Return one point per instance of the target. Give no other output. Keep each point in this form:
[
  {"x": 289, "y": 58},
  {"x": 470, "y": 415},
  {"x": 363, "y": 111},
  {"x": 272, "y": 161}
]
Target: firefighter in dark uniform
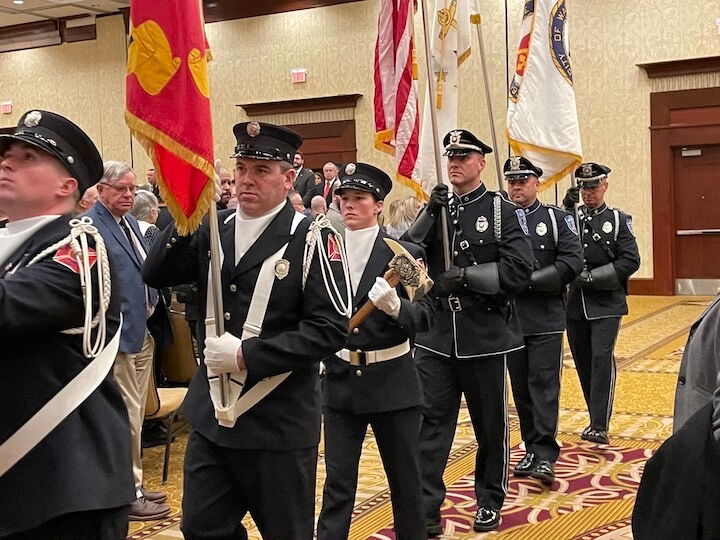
[
  {"x": 70, "y": 480},
  {"x": 378, "y": 386},
  {"x": 597, "y": 298},
  {"x": 535, "y": 371},
  {"x": 266, "y": 463},
  {"x": 465, "y": 352}
]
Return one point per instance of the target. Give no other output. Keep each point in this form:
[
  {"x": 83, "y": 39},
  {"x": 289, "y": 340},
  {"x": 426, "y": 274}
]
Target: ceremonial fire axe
[{"x": 403, "y": 268}]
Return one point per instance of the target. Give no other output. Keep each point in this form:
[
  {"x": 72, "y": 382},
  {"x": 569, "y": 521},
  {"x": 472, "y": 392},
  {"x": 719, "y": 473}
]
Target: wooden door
[
  {"x": 327, "y": 141},
  {"x": 696, "y": 190}
]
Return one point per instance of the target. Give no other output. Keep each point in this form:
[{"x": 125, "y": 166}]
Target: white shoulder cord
[
  {"x": 77, "y": 240},
  {"x": 343, "y": 305}
]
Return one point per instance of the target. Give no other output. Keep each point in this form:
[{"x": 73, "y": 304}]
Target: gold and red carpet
[{"x": 595, "y": 488}]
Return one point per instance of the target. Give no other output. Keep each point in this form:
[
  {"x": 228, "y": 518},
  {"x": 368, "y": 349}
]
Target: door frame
[{"x": 664, "y": 137}]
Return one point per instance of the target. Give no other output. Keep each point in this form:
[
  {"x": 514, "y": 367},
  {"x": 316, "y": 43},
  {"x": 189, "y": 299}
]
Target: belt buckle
[
  {"x": 357, "y": 358},
  {"x": 464, "y": 245},
  {"x": 596, "y": 237},
  {"x": 454, "y": 303}
]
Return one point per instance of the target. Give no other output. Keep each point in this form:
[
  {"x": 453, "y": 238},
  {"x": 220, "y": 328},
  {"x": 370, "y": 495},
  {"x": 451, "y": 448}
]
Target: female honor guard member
[
  {"x": 535, "y": 370},
  {"x": 266, "y": 462},
  {"x": 373, "y": 380},
  {"x": 465, "y": 352},
  {"x": 597, "y": 299}
]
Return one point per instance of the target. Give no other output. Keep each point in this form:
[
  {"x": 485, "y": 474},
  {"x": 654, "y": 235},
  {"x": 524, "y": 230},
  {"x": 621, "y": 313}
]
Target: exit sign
[
  {"x": 298, "y": 75},
  {"x": 6, "y": 107}
]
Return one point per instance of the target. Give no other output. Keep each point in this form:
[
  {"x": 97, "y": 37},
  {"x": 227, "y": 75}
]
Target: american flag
[{"x": 397, "y": 122}]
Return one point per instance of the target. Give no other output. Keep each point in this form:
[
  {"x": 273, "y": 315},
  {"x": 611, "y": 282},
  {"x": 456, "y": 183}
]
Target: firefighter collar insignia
[
  {"x": 282, "y": 269},
  {"x": 541, "y": 229},
  {"x": 607, "y": 227},
  {"x": 481, "y": 224},
  {"x": 253, "y": 129}
]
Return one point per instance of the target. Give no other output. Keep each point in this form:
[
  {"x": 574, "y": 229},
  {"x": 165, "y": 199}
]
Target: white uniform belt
[{"x": 363, "y": 358}]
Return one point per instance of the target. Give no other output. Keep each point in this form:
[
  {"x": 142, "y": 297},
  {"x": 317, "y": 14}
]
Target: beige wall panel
[{"x": 253, "y": 59}]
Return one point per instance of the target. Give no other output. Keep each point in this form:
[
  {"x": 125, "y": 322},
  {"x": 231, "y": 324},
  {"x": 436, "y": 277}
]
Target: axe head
[{"x": 412, "y": 274}]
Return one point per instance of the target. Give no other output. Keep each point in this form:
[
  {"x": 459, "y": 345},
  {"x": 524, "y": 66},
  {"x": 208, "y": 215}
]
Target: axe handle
[{"x": 364, "y": 312}]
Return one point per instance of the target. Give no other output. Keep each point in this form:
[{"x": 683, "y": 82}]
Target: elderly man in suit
[{"x": 133, "y": 365}]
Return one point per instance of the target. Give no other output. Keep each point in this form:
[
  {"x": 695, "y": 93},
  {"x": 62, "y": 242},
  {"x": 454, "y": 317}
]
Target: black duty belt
[{"x": 460, "y": 303}]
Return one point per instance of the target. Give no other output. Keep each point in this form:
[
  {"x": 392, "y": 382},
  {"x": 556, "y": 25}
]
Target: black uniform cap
[
  {"x": 258, "y": 140},
  {"x": 520, "y": 168},
  {"x": 461, "y": 142},
  {"x": 590, "y": 174},
  {"x": 365, "y": 177},
  {"x": 63, "y": 140}
]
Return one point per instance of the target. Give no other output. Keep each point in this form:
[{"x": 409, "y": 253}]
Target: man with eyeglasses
[{"x": 133, "y": 365}]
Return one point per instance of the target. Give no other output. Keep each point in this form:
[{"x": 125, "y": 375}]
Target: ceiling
[{"x": 43, "y": 10}]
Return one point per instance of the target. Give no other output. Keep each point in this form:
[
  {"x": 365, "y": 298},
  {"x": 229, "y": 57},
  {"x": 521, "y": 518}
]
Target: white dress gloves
[
  {"x": 385, "y": 297},
  {"x": 221, "y": 353}
]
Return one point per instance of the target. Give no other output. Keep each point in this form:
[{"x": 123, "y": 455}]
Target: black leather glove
[
  {"x": 584, "y": 280},
  {"x": 572, "y": 197},
  {"x": 438, "y": 199},
  {"x": 450, "y": 282}
]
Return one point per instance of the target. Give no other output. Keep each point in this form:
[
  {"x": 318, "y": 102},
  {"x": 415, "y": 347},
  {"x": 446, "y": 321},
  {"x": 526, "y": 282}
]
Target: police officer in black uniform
[
  {"x": 465, "y": 352},
  {"x": 373, "y": 380},
  {"x": 597, "y": 298},
  {"x": 535, "y": 370},
  {"x": 74, "y": 481},
  {"x": 266, "y": 463}
]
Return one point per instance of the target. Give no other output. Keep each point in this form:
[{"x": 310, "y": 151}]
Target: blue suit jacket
[{"x": 128, "y": 276}]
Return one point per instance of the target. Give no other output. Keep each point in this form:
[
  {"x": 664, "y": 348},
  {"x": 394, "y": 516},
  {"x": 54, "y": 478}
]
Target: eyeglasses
[{"x": 121, "y": 189}]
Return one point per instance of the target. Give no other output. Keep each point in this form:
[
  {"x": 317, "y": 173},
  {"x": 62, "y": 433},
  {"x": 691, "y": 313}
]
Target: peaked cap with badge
[
  {"x": 258, "y": 140},
  {"x": 590, "y": 174},
  {"x": 460, "y": 142},
  {"x": 63, "y": 140},
  {"x": 365, "y": 177},
  {"x": 520, "y": 168}
]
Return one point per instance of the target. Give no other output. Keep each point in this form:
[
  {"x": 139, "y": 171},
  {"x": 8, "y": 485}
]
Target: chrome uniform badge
[
  {"x": 33, "y": 119},
  {"x": 514, "y": 163},
  {"x": 522, "y": 220},
  {"x": 455, "y": 137},
  {"x": 253, "y": 129},
  {"x": 587, "y": 170},
  {"x": 541, "y": 229},
  {"x": 630, "y": 226},
  {"x": 282, "y": 268},
  {"x": 350, "y": 168},
  {"x": 607, "y": 227},
  {"x": 481, "y": 225},
  {"x": 570, "y": 222}
]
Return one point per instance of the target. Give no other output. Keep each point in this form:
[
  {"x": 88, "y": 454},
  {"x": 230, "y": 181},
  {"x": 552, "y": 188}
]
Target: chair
[
  {"x": 164, "y": 404},
  {"x": 178, "y": 361}
]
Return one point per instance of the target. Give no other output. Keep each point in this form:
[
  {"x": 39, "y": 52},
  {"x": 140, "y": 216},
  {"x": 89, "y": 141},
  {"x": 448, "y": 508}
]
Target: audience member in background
[
  {"x": 402, "y": 214},
  {"x": 304, "y": 182},
  {"x": 330, "y": 182},
  {"x": 318, "y": 206},
  {"x": 226, "y": 183},
  {"x": 297, "y": 202},
  {"x": 146, "y": 210},
  {"x": 334, "y": 215},
  {"x": 87, "y": 201},
  {"x": 133, "y": 364}
]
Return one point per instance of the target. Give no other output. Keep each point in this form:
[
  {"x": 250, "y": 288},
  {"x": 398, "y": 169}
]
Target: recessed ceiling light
[{"x": 18, "y": 2}]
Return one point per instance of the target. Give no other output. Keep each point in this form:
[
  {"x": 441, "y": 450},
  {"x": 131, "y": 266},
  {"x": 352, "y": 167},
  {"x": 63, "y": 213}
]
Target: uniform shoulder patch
[
  {"x": 522, "y": 220},
  {"x": 334, "y": 253},
  {"x": 65, "y": 257},
  {"x": 629, "y": 224},
  {"x": 570, "y": 222}
]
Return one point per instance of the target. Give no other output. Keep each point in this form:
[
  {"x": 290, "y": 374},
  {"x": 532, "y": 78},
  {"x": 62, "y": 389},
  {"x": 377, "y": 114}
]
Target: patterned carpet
[{"x": 596, "y": 485}]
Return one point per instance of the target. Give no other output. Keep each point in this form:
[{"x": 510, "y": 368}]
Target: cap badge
[
  {"x": 253, "y": 129},
  {"x": 587, "y": 169},
  {"x": 515, "y": 163},
  {"x": 481, "y": 224},
  {"x": 350, "y": 168},
  {"x": 455, "y": 137},
  {"x": 541, "y": 229},
  {"x": 282, "y": 268},
  {"x": 32, "y": 119}
]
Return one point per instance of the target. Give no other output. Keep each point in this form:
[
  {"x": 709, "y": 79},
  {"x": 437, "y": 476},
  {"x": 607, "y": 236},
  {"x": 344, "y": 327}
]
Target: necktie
[
  {"x": 128, "y": 235},
  {"x": 151, "y": 295}
]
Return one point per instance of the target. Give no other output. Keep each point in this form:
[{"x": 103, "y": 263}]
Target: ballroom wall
[{"x": 253, "y": 59}]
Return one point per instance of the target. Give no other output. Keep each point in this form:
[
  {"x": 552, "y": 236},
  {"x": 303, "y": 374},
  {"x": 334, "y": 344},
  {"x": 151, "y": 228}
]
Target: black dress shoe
[
  {"x": 544, "y": 471},
  {"x": 486, "y": 519},
  {"x": 434, "y": 529},
  {"x": 598, "y": 436},
  {"x": 525, "y": 465},
  {"x": 585, "y": 432}
]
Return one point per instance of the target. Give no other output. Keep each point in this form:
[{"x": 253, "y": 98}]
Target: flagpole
[
  {"x": 434, "y": 124},
  {"x": 217, "y": 289},
  {"x": 476, "y": 19}
]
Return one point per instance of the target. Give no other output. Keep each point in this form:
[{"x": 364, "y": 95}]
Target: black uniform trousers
[
  {"x": 109, "y": 524},
  {"x": 592, "y": 343},
  {"x": 535, "y": 373},
  {"x": 276, "y": 487},
  {"x": 483, "y": 381},
  {"x": 397, "y": 434}
]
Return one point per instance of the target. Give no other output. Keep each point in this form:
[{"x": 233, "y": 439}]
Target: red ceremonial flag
[
  {"x": 397, "y": 122},
  {"x": 168, "y": 103}
]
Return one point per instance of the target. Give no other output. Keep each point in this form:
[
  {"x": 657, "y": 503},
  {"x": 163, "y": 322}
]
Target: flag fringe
[
  {"x": 517, "y": 147},
  {"x": 412, "y": 184},
  {"x": 148, "y": 136}
]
